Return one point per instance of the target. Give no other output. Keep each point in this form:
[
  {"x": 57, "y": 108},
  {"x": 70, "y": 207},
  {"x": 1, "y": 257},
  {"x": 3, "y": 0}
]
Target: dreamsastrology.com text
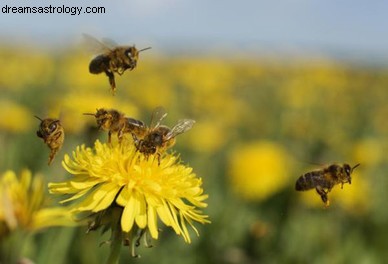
[{"x": 71, "y": 10}]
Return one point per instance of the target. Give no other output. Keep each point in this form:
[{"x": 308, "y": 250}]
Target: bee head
[
  {"x": 39, "y": 134},
  {"x": 349, "y": 170},
  {"x": 103, "y": 118},
  {"x": 47, "y": 126},
  {"x": 52, "y": 126},
  {"x": 132, "y": 53}
]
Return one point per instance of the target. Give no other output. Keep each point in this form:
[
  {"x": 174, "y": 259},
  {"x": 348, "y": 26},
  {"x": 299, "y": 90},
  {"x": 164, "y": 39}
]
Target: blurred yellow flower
[
  {"x": 110, "y": 177},
  {"x": 149, "y": 89},
  {"x": 259, "y": 169},
  {"x": 20, "y": 75},
  {"x": 17, "y": 118},
  {"x": 208, "y": 134},
  {"x": 369, "y": 152},
  {"x": 75, "y": 74},
  {"x": 204, "y": 74},
  {"x": 23, "y": 204}
]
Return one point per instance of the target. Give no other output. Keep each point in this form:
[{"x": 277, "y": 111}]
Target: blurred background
[{"x": 277, "y": 89}]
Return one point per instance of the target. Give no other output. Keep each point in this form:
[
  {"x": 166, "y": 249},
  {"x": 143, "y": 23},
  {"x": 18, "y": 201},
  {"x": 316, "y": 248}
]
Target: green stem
[
  {"x": 11, "y": 246},
  {"x": 115, "y": 247}
]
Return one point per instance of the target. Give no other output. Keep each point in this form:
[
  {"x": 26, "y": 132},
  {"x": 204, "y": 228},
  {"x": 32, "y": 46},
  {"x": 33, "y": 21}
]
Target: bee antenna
[
  {"x": 355, "y": 166},
  {"x": 89, "y": 114},
  {"x": 144, "y": 49},
  {"x": 37, "y": 117}
]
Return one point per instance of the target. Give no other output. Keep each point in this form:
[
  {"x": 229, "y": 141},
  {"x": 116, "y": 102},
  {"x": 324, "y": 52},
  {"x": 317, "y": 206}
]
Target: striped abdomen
[{"x": 311, "y": 180}]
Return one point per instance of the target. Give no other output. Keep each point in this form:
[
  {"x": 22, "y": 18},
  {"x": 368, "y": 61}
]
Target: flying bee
[
  {"x": 114, "y": 121},
  {"x": 157, "y": 138},
  {"x": 52, "y": 133},
  {"x": 323, "y": 180},
  {"x": 114, "y": 59}
]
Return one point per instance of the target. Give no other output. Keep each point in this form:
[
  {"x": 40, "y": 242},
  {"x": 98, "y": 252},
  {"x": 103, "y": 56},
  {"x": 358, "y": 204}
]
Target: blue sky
[{"x": 349, "y": 26}]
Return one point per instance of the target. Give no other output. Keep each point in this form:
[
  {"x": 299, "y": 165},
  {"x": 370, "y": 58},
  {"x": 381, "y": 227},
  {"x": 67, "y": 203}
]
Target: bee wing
[
  {"x": 158, "y": 115},
  {"x": 109, "y": 43},
  {"x": 181, "y": 127},
  {"x": 95, "y": 45},
  {"x": 135, "y": 122}
]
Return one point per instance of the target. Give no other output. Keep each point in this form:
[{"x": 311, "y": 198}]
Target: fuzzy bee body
[
  {"x": 116, "y": 59},
  {"x": 325, "y": 179},
  {"x": 53, "y": 135},
  {"x": 157, "y": 138},
  {"x": 312, "y": 179},
  {"x": 114, "y": 121},
  {"x": 99, "y": 64},
  {"x": 154, "y": 141}
]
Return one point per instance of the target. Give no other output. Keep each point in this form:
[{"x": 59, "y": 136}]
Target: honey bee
[
  {"x": 323, "y": 180},
  {"x": 114, "y": 59},
  {"x": 157, "y": 138},
  {"x": 114, "y": 121},
  {"x": 52, "y": 133}
]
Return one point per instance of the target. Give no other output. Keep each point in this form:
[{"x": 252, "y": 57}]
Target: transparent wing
[
  {"x": 135, "y": 122},
  {"x": 158, "y": 115},
  {"x": 109, "y": 43},
  {"x": 96, "y": 46},
  {"x": 181, "y": 127}
]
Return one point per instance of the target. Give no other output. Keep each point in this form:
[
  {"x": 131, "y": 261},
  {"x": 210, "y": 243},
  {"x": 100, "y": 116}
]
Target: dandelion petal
[{"x": 129, "y": 213}]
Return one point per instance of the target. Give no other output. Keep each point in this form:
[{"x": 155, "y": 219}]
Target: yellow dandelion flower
[
  {"x": 259, "y": 169},
  {"x": 22, "y": 204},
  {"x": 115, "y": 180}
]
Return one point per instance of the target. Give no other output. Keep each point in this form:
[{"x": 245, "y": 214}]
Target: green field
[{"x": 261, "y": 122}]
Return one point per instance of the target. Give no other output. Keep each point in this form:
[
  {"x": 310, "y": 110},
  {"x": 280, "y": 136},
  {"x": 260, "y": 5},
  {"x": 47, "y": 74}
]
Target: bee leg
[
  {"x": 109, "y": 136},
  {"x": 120, "y": 135},
  {"x": 121, "y": 71},
  {"x": 52, "y": 155},
  {"x": 323, "y": 194},
  {"x": 136, "y": 141},
  {"x": 112, "y": 81},
  {"x": 158, "y": 154}
]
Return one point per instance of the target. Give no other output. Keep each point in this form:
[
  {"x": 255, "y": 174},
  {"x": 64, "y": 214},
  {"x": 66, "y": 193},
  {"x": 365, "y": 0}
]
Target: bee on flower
[
  {"x": 121, "y": 189},
  {"x": 157, "y": 138}
]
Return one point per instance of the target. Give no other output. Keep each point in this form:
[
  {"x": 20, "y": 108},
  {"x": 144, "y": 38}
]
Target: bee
[
  {"x": 114, "y": 59},
  {"x": 323, "y": 180},
  {"x": 52, "y": 133},
  {"x": 157, "y": 138},
  {"x": 114, "y": 121}
]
